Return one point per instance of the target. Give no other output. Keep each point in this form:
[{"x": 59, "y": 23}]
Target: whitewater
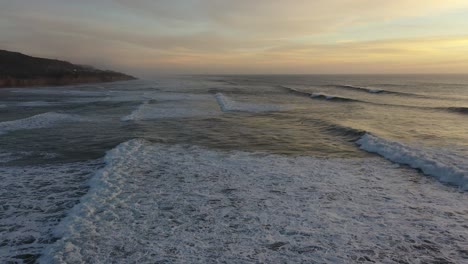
[{"x": 236, "y": 169}]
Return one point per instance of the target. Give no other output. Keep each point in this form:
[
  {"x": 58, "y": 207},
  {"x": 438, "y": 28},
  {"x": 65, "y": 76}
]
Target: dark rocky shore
[{"x": 19, "y": 70}]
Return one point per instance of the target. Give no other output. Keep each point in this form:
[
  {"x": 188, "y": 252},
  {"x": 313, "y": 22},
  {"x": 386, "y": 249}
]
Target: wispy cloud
[{"x": 202, "y": 36}]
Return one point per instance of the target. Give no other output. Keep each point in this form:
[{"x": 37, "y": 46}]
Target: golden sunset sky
[{"x": 257, "y": 37}]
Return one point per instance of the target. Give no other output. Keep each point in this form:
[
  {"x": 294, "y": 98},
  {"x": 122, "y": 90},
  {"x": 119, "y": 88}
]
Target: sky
[{"x": 148, "y": 38}]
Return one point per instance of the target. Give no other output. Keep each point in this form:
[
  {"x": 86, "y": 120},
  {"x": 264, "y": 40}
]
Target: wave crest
[
  {"x": 228, "y": 105},
  {"x": 332, "y": 98},
  {"x": 460, "y": 110},
  {"x": 44, "y": 120},
  {"x": 446, "y": 167},
  {"x": 374, "y": 90}
]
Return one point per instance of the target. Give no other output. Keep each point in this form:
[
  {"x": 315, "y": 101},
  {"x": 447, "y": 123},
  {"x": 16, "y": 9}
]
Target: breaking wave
[
  {"x": 445, "y": 166},
  {"x": 172, "y": 203},
  {"x": 37, "y": 104},
  {"x": 294, "y": 91},
  {"x": 351, "y": 134},
  {"x": 460, "y": 110},
  {"x": 228, "y": 105},
  {"x": 225, "y": 82},
  {"x": 148, "y": 111},
  {"x": 320, "y": 96},
  {"x": 58, "y": 91},
  {"x": 374, "y": 90},
  {"x": 44, "y": 120},
  {"x": 334, "y": 98},
  {"x": 354, "y": 88},
  {"x": 33, "y": 200}
]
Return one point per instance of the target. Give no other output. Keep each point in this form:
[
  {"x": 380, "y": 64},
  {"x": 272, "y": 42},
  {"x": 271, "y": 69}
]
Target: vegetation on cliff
[{"x": 18, "y": 70}]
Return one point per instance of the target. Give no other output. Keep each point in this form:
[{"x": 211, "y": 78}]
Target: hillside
[{"x": 19, "y": 70}]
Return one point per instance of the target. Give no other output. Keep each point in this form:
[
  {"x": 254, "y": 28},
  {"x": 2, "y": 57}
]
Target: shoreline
[{"x": 47, "y": 81}]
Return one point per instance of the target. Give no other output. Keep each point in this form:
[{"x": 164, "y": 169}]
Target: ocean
[{"x": 237, "y": 169}]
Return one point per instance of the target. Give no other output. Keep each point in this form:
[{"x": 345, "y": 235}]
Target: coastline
[
  {"x": 20, "y": 70},
  {"x": 10, "y": 82}
]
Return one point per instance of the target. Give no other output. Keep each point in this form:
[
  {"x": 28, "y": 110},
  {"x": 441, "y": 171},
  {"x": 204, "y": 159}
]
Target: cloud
[
  {"x": 284, "y": 19},
  {"x": 202, "y": 36}
]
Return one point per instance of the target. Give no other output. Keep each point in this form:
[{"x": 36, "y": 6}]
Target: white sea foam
[
  {"x": 8, "y": 156},
  {"x": 445, "y": 166},
  {"x": 86, "y": 100},
  {"x": 185, "y": 204},
  {"x": 33, "y": 199},
  {"x": 158, "y": 96},
  {"x": 228, "y": 105},
  {"x": 58, "y": 91},
  {"x": 44, "y": 120},
  {"x": 147, "y": 111},
  {"x": 11, "y": 156},
  {"x": 362, "y": 88},
  {"x": 166, "y": 96},
  {"x": 37, "y": 104},
  {"x": 135, "y": 96}
]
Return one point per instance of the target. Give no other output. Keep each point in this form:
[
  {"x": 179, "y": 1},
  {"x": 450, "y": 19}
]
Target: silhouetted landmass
[{"x": 19, "y": 70}]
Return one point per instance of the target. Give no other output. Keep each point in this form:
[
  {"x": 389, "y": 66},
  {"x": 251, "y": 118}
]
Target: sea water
[{"x": 236, "y": 169}]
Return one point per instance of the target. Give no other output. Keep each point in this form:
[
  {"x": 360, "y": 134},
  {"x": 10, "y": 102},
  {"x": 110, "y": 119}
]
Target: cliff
[{"x": 19, "y": 70}]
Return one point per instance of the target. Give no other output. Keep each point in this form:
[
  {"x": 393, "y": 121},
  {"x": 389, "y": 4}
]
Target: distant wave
[
  {"x": 350, "y": 134},
  {"x": 136, "y": 114},
  {"x": 446, "y": 167},
  {"x": 44, "y": 120},
  {"x": 228, "y": 105},
  {"x": 148, "y": 111},
  {"x": 37, "y": 104},
  {"x": 57, "y": 91},
  {"x": 322, "y": 96},
  {"x": 362, "y": 89},
  {"x": 234, "y": 90},
  {"x": 334, "y": 98},
  {"x": 226, "y": 82},
  {"x": 318, "y": 95},
  {"x": 18, "y": 155},
  {"x": 374, "y": 90},
  {"x": 294, "y": 91},
  {"x": 455, "y": 110},
  {"x": 460, "y": 110}
]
